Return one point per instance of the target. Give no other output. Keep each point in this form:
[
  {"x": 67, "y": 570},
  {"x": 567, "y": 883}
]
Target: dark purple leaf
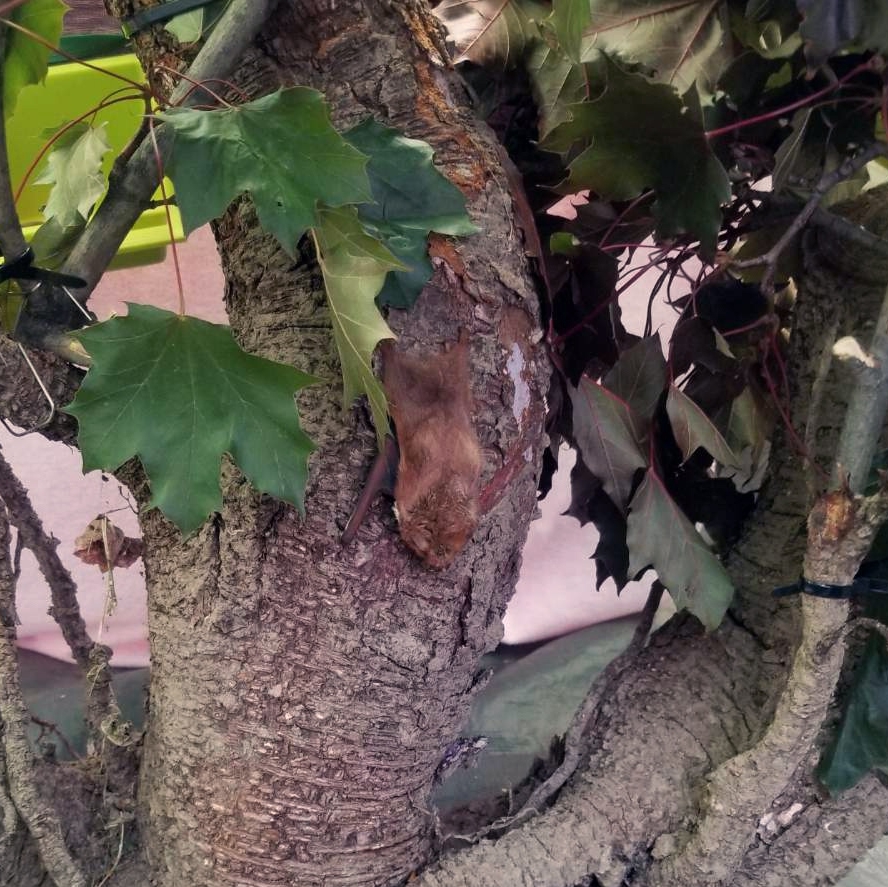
[
  {"x": 693, "y": 429},
  {"x": 659, "y": 535},
  {"x": 603, "y": 428}
]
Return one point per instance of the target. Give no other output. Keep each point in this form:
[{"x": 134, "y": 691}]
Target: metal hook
[{"x": 46, "y": 394}]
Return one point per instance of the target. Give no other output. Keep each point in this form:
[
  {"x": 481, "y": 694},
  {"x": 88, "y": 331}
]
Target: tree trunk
[
  {"x": 302, "y": 692},
  {"x": 699, "y": 717}
]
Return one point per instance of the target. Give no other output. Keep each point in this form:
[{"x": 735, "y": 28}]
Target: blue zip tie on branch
[{"x": 861, "y": 585}]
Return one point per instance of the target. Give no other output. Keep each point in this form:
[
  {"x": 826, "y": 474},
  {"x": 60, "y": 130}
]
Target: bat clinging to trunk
[{"x": 436, "y": 491}]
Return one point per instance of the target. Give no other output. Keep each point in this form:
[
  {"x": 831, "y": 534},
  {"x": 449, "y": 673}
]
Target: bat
[{"x": 439, "y": 457}]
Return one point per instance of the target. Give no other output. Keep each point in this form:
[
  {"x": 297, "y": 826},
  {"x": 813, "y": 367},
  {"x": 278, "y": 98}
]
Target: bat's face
[{"x": 435, "y": 534}]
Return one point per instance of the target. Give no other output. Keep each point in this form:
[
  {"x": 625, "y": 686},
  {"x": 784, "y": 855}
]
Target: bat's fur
[{"x": 436, "y": 493}]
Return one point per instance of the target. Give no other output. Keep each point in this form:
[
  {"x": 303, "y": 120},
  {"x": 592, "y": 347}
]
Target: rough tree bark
[
  {"x": 302, "y": 693},
  {"x": 701, "y": 717}
]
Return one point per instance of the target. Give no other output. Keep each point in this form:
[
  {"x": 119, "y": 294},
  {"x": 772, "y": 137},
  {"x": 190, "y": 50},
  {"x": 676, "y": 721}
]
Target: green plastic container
[{"x": 70, "y": 90}]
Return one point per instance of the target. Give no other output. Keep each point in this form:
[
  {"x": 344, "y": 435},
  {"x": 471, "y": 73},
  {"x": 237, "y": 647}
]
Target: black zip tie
[
  {"x": 160, "y": 13},
  {"x": 861, "y": 585},
  {"x": 23, "y": 268}
]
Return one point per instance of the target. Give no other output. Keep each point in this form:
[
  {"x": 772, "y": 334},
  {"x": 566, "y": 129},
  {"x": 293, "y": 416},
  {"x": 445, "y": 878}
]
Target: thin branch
[
  {"x": 92, "y": 658},
  {"x": 39, "y": 816},
  {"x": 844, "y": 171},
  {"x": 781, "y": 208},
  {"x": 12, "y": 239},
  {"x": 865, "y": 418},
  {"x": 51, "y": 729},
  {"x": 129, "y": 193},
  {"x": 574, "y": 746},
  {"x": 841, "y": 527}
]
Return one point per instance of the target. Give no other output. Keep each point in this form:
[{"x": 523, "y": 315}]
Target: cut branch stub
[{"x": 841, "y": 529}]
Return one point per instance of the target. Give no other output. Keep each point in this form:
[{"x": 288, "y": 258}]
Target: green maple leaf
[
  {"x": 557, "y": 82},
  {"x": 25, "y": 61},
  {"x": 638, "y": 379},
  {"x": 282, "y": 150},
  {"x": 354, "y": 265},
  {"x": 187, "y": 27},
  {"x": 635, "y": 134},
  {"x": 74, "y": 169},
  {"x": 862, "y": 740},
  {"x": 179, "y": 393},
  {"x": 569, "y": 20},
  {"x": 683, "y": 42},
  {"x": 411, "y": 198},
  {"x": 659, "y": 535}
]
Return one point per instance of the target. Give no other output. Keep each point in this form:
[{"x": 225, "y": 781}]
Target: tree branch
[
  {"x": 574, "y": 746},
  {"x": 844, "y": 171},
  {"x": 865, "y": 419},
  {"x": 841, "y": 527},
  {"x": 130, "y": 192},
  {"x": 12, "y": 240},
  {"x": 40, "y": 818},
  {"x": 92, "y": 658}
]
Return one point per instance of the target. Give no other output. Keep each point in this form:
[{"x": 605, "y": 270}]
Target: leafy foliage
[
  {"x": 281, "y": 149},
  {"x": 605, "y": 434},
  {"x": 354, "y": 266},
  {"x": 301, "y": 174},
  {"x": 862, "y": 740},
  {"x": 491, "y": 31},
  {"x": 684, "y": 44},
  {"x": 74, "y": 169},
  {"x": 411, "y": 198},
  {"x": 179, "y": 393},
  {"x": 568, "y": 21},
  {"x": 639, "y": 377},
  {"x": 693, "y": 429},
  {"x": 25, "y": 60},
  {"x": 612, "y": 425},
  {"x": 618, "y": 160},
  {"x": 659, "y": 534}
]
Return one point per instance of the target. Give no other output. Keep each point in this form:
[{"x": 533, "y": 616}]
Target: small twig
[
  {"x": 574, "y": 747},
  {"x": 128, "y": 195},
  {"x": 845, "y": 170},
  {"x": 91, "y": 657},
  {"x": 39, "y": 816},
  {"x": 117, "y": 859},
  {"x": 53, "y": 730}
]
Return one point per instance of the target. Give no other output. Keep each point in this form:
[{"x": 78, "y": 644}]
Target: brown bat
[{"x": 436, "y": 491}]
